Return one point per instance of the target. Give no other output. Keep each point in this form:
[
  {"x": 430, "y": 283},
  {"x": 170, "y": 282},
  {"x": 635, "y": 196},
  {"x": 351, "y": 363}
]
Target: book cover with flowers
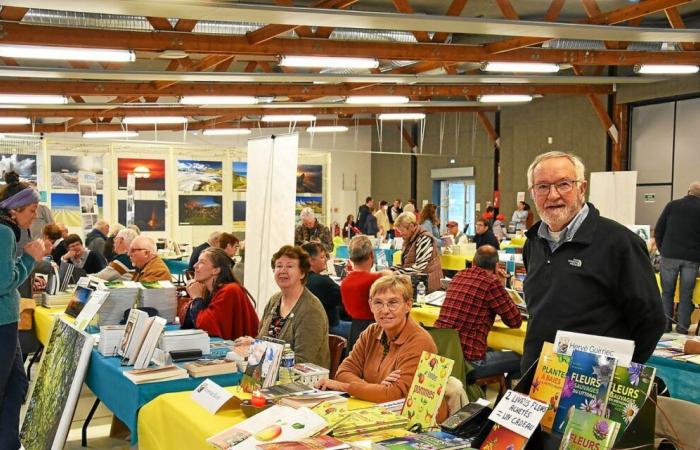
[
  {"x": 427, "y": 390},
  {"x": 586, "y": 386},
  {"x": 549, "y": 381},
  {"x": 586, "y": 431},
  {"x": 501, "y": 438},
  {"x": 630, "y": 389}
]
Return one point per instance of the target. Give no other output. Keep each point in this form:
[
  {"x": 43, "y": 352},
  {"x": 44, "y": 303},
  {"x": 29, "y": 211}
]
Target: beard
[{"x": 559, "y": 218}]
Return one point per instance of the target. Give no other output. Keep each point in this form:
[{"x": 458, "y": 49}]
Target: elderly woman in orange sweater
[{"x": 382, "y": 363}]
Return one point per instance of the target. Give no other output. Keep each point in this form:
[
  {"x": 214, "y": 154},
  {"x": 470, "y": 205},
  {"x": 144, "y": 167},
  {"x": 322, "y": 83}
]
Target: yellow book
[
  {"x": 549, "y": 381},
  {"x": 427, "y": 390}
]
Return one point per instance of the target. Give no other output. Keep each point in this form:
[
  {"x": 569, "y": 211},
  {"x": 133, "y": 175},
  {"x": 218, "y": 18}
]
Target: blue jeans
[
  {"x": 13, "y": 386},
  {"x": 342, "y": 329},
  {"x": 496, "y": 363},
  {"x": 669, "y": 270}
]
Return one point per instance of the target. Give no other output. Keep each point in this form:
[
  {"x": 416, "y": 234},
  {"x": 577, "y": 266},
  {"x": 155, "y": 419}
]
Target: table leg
[
  {"x": 35, "y": 357},
  {"x": 83, "y": 440}
]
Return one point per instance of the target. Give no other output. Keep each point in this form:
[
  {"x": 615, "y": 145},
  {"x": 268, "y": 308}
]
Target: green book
[
  {"x": 630, "y": 389},
  {"x": 586, "y": 431}
]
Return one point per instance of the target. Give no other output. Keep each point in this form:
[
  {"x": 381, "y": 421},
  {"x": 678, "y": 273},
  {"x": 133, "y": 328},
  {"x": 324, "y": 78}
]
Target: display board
[{"x": 614, "y": 194}]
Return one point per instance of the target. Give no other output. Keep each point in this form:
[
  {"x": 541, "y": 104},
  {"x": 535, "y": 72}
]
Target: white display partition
[
  {"x": 614, "y": 194},
  {"x": 272, "y": 170}
]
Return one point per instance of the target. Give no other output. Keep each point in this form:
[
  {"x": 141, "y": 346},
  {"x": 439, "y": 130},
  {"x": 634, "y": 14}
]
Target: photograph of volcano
[
  {"x": 64, "y": 170},
  {"x": 200, "y": 210},
  {"x": 150, "y": 173},
  {"x": 149, "y": 215},
  {"x": 309, "y": 179}
]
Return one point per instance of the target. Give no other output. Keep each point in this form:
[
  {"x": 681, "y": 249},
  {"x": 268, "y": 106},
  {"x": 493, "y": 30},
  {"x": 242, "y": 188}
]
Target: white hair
[
  {"x": 307, "y": 213},
  {"x": 694, "y": 188},
  {"x": 213, "y": 236},
  {"x": 405, "y": 218},
  {"x": 147, "y": 243},
  {"x": 575, "y": 160},
  {"x": 128, "y": 235}
]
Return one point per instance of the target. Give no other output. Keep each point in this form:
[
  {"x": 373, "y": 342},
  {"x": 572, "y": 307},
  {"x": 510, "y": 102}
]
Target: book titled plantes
[
  {"x": 630, "y": 389},
  {"x": 549, "y": 381},
  {"x": 501, "y": 438},
  {"x": 588, "y": 431},
  {"x": 586, "y": 386},
  {"x": 427, "y": 389}
]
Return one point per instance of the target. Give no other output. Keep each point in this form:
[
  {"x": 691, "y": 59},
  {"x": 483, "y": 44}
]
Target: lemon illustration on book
[{"x": 269, "y": 433}]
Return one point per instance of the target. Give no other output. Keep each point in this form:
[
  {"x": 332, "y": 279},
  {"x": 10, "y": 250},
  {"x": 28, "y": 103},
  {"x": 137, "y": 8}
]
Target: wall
[{"x": 679, "y": 86}]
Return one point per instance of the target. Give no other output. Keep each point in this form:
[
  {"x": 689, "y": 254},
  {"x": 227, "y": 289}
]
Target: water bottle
[
  {"x": 286, "y": 365},
  {"x": 420, "y": 290}
]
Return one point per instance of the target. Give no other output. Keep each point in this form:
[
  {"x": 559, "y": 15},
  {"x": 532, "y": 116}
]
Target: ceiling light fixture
[
  {"x": 150, "y": 120},
  {"x": 665, "y": 69},
  {"x": 328, "y": 129},
  {"x": 377, "y": 99},
  {"x": 15, "y": 121},
  {"x": 496, "y": 98},
  {"x": 21, "y": 99},
  {"x": 289, "y": 118},
  {"x": 218, "y": 100},
  {"x": 401, "y": 116},
  {"x": 226, "y": 132},
  {"x": 329, "y": 62},
  {"x": 109, "y": 134},
  {"x": 66, "y": 53},
  {"x": 519, "y": 67}
]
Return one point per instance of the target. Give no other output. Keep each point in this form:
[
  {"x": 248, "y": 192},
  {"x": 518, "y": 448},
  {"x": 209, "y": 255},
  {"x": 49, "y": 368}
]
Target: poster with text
[
  {"x": 200, "y": 210},
  {"x": 309, "y": 179},
  {"x": 64, "y": 170},
  {"x": 149, "y": 173},
  {"x": 193, "y": 175},
  {"x": 149, "y": 215}
]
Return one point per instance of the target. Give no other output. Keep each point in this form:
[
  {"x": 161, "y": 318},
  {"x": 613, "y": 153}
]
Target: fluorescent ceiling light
[
  {"x": 658, "y": 69},
  {"x": 109, "y": 134},
  {"x": 147, "y": 120},
  {"x": 505, "y": 98},
  {"x": 226, "y": 131},
  {"x": 327, "y": 129},
  {"x": 20, "y": 99},
  {"x": 329, "y": 62},
  {"x": 401, "y": 116},
  {"x": 66, "y": 53},
  {"x": 289, "y": 118},
  {"x": 520, "y": 67},
  {"x": 15, "y": 121},
  {"x": 377, "y": 99},
  {"x": 218, "y": 100}
]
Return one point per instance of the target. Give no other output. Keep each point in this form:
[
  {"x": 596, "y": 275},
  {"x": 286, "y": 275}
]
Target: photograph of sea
[
  {"x": 24, "y": 165},
  {"x": 64, "y": 170},
  {"x": 150, "y": 173},
  {"x": 195, "y": 175}
]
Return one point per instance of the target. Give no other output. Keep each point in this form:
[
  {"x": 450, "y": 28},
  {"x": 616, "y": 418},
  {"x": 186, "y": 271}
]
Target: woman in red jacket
[{"x": 220, "y": 305}]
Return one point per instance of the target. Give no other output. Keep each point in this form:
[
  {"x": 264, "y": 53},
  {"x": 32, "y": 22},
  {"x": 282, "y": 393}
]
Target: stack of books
[
  {"x": 167, "y": 373},
  {"x": 110, "y": 337},
  {"x": 160, "y": 295},
  {"x": 177, "y": 340},
  {"x": 348, "y": 424},
  {"x": 210, "y": 367},
  {"x": 141, "y": 334},
  {"x": 122, "y": 296},
  {"x": 51, "y": 301}
]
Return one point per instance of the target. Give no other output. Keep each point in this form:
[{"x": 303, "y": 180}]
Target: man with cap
[{"x": 453, "y": 230}]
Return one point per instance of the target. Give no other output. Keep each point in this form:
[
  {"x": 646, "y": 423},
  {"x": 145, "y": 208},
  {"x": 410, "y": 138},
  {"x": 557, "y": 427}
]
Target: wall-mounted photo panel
[
  {"x": 309, "y": 179},
  {"x": 64, "y": 170},
  {"x": 66, "y": 209},
  {"x": 24, "y": 165},
  {"x": 149, "y": 173},
  {"x": 239, "y": 215},
  {"x": 315, "y": 202},
  {"x": 149, "y": 215},
  {"x": 200, "y": 210},
  {"x": 193, "y": 175},
  {"x": 240, "y": 175}
]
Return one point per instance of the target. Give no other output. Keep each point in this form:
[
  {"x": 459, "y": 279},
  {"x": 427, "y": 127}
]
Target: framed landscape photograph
[
  {"x": 24, "y": 165},
  {"x": 194, "y": 175},
  {"x": 200, "y": 210},
  {"x": 309, "y": 179},
  {"x": 149, "y": 173},
  {"x": 240, "y": 175},
  {"x": 239, "y": 215},
  {"x": 315, "y": 202},
  {"x": 64, "y": 170},
  {"x": 149, "y": 215}
]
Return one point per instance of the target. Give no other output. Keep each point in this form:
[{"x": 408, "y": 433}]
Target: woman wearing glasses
[{"x": 381, "y": 365}]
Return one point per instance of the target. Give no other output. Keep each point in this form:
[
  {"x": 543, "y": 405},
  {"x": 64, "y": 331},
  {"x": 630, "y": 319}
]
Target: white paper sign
[
  {"x": 211, "y": 396},
  {"x": 519, "y": 413},
  {"x": 566, "y": 342},
  {"x": 520, "y": 197}
]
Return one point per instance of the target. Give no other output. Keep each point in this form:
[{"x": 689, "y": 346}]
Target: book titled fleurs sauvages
[
  {"x": 586, "y": 386},
  {"x": 549, "y": 381},
  {"x": 427, "y": 389},
  {"x": 630, "y": 389},
  {"x": 586, "y": 431}
]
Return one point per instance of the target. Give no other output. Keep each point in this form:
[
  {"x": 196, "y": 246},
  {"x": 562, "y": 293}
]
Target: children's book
[
  {"x": 630, "y": 389},
  {"x": 549, "y": 381},
  {"x": 344, "y": 423},
  {"x": 586, "y": 386},
  {"x": 501, "y": 438},
  {"x": 427, "y": 390},
  {"x": 585, "y": 431},
  {"x": 437, "y": 440}
]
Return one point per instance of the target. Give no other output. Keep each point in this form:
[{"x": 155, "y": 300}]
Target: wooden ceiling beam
[
  {"x": 13, "y": 13},
  {"x": 515, "y": 43},
  {"x": 507, "y": 10},
  {"x": 185, "y": 25},
  {"x": 160, "y": 23},
  {"x": 676, "y": 22},
  {"x": 455, "y": 9},
  {"x": 404, "y": 7},
  {"x": 600, "y": 111}
]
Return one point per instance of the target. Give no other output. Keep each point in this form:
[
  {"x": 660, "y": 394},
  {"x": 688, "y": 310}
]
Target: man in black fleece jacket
[
  {"x": 585, "y": 273},
  {"x": 678, "y": 239}
]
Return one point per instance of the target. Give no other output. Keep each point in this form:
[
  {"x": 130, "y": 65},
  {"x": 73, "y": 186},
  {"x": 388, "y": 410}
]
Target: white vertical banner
[
  {"x": 615, "y": 195},
  {"x": 270, "y": 203}
]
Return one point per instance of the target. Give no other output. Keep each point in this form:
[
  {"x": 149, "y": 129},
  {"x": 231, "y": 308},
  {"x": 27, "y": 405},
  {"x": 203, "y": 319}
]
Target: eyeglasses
[
  {"x": 131, "y": 250},
  {"x": 379, "y": 306},
  {"x": 563, "y": 187}
]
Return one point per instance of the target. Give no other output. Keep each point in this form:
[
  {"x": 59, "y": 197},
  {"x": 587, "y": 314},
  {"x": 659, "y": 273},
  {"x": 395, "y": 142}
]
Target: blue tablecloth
[
  {"x": 341, "y": 251},
  {"x": 681, "y": 378},
  {"x": 176, "y": 266},
  {"x": 124, "y": 398}
]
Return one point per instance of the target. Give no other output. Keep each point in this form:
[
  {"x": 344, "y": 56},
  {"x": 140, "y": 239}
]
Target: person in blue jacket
[{"x": 18, "y": 205}]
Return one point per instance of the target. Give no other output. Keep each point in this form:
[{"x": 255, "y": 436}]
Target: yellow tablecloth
[
  {"x": 174, "y": 421},
  {"x": 696, "y": 291},
  {"x": 448, "y": 262},
  {"x": 43, "y": 321},
  {"x": 500, "y": 338}
]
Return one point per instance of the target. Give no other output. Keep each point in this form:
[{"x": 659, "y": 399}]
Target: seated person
[
  {"x": 149, "y": 266},
  {"x": 355, "y": 287},
  {"x": 59, "y": 243},
  {"x": 229, "y": 244},
  {"x": 311, "y": 230},
  {"x": 484, "y": 236},
  {"x": 220, "y": 305},
  {"x": 473, "y": 299},
  {"x": 82, "y": 257},
  {"x": 213, "y": 241},
  {"x": 381, "y": 366},
  {"x": 120, "y": 267},
  {"x": 325, "y": 289}
]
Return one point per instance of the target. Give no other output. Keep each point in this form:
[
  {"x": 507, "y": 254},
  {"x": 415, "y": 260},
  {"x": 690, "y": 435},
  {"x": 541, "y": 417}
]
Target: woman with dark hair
[
  {"x": 219, "y": 305},
  {"x": 18, "y": 205},
  {"x": 350, "y": 228}
]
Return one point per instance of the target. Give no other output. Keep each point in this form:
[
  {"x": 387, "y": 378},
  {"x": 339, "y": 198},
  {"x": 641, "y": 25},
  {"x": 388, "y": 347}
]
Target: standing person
[
  {"x": 484, "y": 236},
  {"x": 520, "y": 217},
  {"x": 362, "y": 214},
  {"x": 311, "y": 230},
  {"x": 499, "y": 228},
  {"x": 419, "y": 255},
  {"x": 585, "y": 273},
  {"x": 383, "y": 219},
  {"x": 429, "y": 222},
  {"x": 43, "y": 217},
  {"x": 18, "y": 204},
  {"x": 678, "y": 238},
  {"x": 393, "y": 213},
  {"x": 371, "y": 226},
  {"x": 213, "y": 241}
]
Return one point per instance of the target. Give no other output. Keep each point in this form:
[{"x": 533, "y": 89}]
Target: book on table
[
  {"x": 145, "y": 353},
  {"x": 263, "y": 364},
  {"x": 320, "y": 442},
  {"x": 210, "y": 367},
  {"x": 345, "y": 424},
  {"x": 586, "y": 431},
  {"x": 427, "y": 390},
  {"x": 549, "y": 381},
  {"x": 501, "y": 438},
  {"x": 167, "y": 373},
  {"x": 135, "y": 330},
  {"x": 284, "y": 390},
  {"x": 630, "y": 389},
  {"x": 435, "y": 440}
]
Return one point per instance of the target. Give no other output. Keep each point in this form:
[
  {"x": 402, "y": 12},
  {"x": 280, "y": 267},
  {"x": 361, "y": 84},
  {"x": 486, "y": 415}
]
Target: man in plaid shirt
[{"x": 473, "y": 299}]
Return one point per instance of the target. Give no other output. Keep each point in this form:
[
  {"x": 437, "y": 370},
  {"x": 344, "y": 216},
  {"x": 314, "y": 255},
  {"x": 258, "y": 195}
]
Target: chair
[
  {"x": 337, "y": 345},
  {"x": 493, "y": 379}
]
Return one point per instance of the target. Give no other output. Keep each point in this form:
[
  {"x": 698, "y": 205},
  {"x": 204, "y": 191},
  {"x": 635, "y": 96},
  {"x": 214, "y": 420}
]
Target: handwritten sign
[{"x": 519, "y": 413}]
